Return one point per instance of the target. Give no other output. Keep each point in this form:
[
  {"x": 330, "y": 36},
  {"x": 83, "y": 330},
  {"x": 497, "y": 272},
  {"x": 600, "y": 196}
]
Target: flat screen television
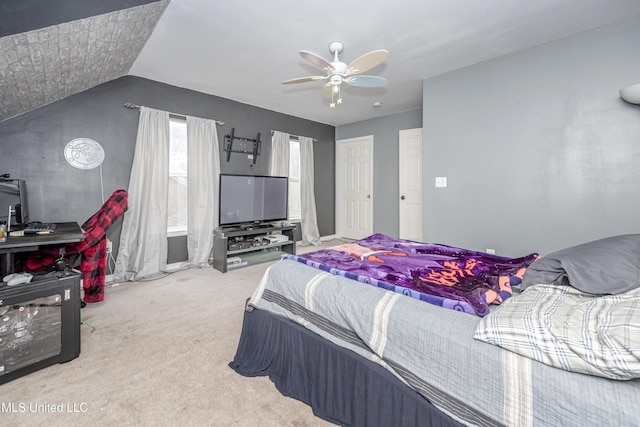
[
  {"x": 14, "y": 206},
  {"x": 247, "y": 199}
]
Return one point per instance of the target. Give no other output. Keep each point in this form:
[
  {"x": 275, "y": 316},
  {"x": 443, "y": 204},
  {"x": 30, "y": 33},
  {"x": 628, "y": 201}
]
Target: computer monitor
[{"x": 14, "y": 206}]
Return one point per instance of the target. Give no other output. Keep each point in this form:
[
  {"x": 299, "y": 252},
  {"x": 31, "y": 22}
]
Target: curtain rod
[
  {"x": 130, "y": 105},
  {"x": 292, "y": 136}
]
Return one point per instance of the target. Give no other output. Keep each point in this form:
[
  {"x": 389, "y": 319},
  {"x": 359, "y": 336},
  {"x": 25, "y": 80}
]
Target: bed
[{"x": 558, "y": 343}]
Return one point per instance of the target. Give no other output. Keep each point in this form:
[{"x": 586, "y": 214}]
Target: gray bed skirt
[{"x": 340, "y": 386}]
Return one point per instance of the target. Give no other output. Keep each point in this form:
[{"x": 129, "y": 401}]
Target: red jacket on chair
[
  {"x": 93, "y": 262},
  {"x": 92, "y": 250}
]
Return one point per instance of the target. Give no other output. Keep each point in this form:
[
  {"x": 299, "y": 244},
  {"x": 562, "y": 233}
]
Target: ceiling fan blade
[
  {"x": 367, "y": 62},
  {"x": 316, "y": 60},
  {"x": 366, "y": 81},
  {"x": 304, "y": 79}
]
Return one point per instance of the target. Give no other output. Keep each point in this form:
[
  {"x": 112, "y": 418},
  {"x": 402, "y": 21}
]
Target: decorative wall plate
[{"x": 84, "y": 153}]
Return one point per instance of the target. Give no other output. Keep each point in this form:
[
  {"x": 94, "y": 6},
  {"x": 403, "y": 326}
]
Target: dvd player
[{"x": 276, "y": 238}]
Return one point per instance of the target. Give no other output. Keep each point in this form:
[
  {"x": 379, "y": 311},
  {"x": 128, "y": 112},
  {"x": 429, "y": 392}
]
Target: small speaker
[{"x": 18, "y": 210}]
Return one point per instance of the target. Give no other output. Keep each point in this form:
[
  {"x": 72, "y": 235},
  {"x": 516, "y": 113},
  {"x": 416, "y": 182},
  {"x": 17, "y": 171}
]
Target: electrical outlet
[
  {"x": 491, "y": 251},
  {"x": 109, "y": 246}
]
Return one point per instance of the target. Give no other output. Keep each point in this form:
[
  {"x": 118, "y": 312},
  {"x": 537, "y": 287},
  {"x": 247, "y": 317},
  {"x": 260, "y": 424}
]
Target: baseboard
[{"x": 322, "y": 239}]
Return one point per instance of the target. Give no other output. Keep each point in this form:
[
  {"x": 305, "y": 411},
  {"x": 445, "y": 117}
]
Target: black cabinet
[
  {"x": 235, "y": 247},
  {"x": 39, "y": 324}
]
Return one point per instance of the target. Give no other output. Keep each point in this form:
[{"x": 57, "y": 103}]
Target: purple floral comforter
[{"x": 455, "y": 278}]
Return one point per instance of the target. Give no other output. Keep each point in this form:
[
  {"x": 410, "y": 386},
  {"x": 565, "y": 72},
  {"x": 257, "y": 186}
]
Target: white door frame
[{"x": 340, "y": 146}]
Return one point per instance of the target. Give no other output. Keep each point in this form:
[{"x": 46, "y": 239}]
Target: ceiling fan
[{"x": 338, "y": 72}]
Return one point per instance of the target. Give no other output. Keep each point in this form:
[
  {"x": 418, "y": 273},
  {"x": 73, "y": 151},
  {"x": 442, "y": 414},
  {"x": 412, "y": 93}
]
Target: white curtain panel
[
  {"x": 309, "y": 225},
  {"x": 203, "y": 173},
  {"x": 143, "y": 241},
  {"x": 279, "y": 165}
]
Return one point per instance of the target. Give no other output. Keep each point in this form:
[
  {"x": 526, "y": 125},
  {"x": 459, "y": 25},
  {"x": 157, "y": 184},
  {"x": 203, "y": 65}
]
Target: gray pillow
[{"x": 606, "y": 266}]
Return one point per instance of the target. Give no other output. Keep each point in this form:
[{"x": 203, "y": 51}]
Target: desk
[{"x": 66, "y": 232}]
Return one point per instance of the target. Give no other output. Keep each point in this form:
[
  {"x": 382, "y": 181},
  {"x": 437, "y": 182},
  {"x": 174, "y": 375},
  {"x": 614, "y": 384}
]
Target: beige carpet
[{"x": 159, "y": 356}]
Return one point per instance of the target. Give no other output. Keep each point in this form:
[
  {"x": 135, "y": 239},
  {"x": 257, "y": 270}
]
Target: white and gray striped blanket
[{"x": 433, "y": 350}]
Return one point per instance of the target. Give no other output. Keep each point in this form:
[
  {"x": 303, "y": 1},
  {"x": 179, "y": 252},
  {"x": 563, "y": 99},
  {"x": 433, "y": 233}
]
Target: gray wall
[
  {"x": 539, "y": 150},
  {"x": 33, "y": 143},
  {"x": 386, "y": 194}
]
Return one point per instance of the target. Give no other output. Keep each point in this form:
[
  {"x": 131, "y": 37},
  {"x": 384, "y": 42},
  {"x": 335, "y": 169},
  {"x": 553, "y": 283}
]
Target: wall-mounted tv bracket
[{"x": 236, "y": 144}]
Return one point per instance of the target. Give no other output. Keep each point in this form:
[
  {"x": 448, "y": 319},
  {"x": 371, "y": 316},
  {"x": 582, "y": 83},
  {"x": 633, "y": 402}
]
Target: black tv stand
[
  {"x": 250, "y": 245},
  {"x": 244, "y": 227},
  {"x": 256, "y": 225},
  {"x": 247, "y": 226}
]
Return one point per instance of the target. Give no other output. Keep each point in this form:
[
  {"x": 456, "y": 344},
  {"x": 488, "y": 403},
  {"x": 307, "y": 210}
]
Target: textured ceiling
[
  {"x": 20, "y": 16},
  {"x": 47, "y": 64},
  {"x": 243, "y": 49}
]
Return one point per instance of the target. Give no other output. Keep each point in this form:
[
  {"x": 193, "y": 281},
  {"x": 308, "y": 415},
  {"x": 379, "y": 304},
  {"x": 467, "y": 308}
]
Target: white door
[
  {"x": 354, "y": 179},
  {"x": 410, "y": 153}
]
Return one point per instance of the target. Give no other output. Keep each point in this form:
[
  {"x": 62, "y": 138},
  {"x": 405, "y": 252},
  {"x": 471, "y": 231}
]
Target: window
[
  {"x": 177, "y": 215},
  {"x": 295, "y": 211}
]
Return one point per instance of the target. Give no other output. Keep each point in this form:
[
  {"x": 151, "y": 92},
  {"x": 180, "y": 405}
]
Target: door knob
[
  {"x": 368, "y": 196},
  {"x": 402, "y": 197}
]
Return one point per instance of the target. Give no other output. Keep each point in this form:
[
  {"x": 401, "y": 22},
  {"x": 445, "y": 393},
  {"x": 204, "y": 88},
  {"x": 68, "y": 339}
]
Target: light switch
[{"x": 441, "y": 181}]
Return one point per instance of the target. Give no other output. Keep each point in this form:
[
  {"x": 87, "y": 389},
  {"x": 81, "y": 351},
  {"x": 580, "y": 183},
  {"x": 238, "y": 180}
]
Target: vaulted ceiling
[
  {"x": 53, "y": 49},
  {"x": 243, "y": 49}
]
